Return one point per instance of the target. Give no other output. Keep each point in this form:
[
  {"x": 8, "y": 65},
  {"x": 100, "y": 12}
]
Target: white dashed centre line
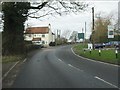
[
  {"x": 60, "y": 60},
  {"x": 74, "y": 67},
  {"x": 105, "y": 81}
]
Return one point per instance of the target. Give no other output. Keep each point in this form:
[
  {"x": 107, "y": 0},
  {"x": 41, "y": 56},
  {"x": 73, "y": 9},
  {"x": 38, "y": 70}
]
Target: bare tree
[
  {"x": 100, "y": 33},
  {"x": 66, "y": 33},
  {"x": 55, "y": 7}
]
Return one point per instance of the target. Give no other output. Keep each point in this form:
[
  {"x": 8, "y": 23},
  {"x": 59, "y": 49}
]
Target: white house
[{"x": 40, "y": 35}]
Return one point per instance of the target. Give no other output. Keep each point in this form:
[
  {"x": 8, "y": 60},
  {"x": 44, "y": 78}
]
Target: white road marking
[
  {"x": 75, "y": 67},
  {"x": 24, "y": 60},
  {"x": 105, "y": 81},
  {"x": 70, "y": 65},
  {"x": 93, "y": 60},
  {"x": 60, "y": 60},
  {"x": 10, "y": 70}
]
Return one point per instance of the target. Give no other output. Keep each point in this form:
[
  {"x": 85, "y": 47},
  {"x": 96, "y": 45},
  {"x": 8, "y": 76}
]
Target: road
[{"x": 58, "y": 67}]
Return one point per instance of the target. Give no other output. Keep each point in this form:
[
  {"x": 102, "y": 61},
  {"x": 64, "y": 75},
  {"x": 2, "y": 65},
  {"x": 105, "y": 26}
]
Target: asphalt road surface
[{"x": 58, "y": 67}]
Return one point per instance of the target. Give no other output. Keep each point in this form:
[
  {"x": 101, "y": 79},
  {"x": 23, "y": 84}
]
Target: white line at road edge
[
  {"x": 10, "y": 70},
  {"x": 24, "y": 60},
  {"x": 93, "y": 60},
  {"x": 105, "y": 82}
]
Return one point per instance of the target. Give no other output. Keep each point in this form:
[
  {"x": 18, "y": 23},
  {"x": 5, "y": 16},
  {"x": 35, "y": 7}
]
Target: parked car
[
  {"x": 113, "y": 43},
  {"x": 97, "y": 46},
  {"x": 52, "y": 44}
]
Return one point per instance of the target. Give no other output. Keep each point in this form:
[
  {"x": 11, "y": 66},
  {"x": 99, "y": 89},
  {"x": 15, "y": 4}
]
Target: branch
[
  {"x": 39, "y": 6},
  {"x": 65, "y": 8},
  {"x": 48, "y": 13},
  {"x": 32, "y": 13},
  {"x": 54, "y": 9}
]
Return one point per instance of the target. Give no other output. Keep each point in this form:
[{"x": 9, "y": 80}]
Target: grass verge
[
  {"x": 106, "y": 55},
  {"x": 12, "y": 58}
]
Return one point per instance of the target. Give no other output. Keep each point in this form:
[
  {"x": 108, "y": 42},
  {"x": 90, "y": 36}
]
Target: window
[
  {"x": 43, "y": 42},
  {"x": 29, "y": 35},
  {"x": 110, "y": 32},
  {"x": 43, "y": 35}
]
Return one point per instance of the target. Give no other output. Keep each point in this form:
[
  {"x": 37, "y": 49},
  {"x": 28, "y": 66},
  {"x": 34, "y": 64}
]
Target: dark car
[
  {"x": 97, "y": 46},
  {"x": 52, "y": 44}
]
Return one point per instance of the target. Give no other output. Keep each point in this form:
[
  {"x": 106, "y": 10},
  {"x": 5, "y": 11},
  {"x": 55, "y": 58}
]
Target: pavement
[{"x": 59, "y": 67}]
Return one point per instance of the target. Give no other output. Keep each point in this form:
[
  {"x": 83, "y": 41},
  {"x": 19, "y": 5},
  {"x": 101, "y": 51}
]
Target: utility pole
[
  {"x": 57, "y": 38},
  {"x": 85, "y": 31},
  {"x": 82, "y": 30},
  {"x": 85, "y": 35},
  {"x": 93, "y": 25},
  {"x": 59, "y": 33},
  {"x": 92, "y": 19}
]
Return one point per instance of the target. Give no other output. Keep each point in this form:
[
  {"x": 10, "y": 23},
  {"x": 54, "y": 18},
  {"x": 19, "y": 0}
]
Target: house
[{"x": 40, "y": 35}]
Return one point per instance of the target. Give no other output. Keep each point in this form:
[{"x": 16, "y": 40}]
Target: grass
[
  {"x": 106, "y": 55},
  {"x": 12, "y": 58}
]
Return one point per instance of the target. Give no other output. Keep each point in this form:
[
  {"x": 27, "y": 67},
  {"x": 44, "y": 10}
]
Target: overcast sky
[{"x": 76, "y": 22}]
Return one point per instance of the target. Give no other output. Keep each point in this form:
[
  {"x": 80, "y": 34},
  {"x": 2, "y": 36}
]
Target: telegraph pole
[
  {"x": 57, "y": 38},
  {"x": 93, "y": 25},
  {"x": 92, "y": 19},
  {"x": 85, "y": 30}
]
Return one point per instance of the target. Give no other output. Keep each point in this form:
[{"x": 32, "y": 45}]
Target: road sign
[
  {"x": 81, "y": 36},
  {"x": 110, "y": 31}
]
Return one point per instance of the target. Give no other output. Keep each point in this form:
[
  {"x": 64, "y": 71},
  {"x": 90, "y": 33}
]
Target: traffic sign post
[{"x": 110, "y": 31}]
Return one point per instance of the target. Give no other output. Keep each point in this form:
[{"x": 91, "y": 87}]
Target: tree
[
  {"x": 54, "y": 7},
  {"x": 16, "y": 13},
  {"x": 13, "y": 41},
  {"x": 66, "y": 33},
  {"x": 100, "y": 33}
]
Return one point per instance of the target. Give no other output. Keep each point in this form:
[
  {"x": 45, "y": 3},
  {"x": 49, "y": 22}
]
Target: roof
[
  {"x": 36, "y": 39},
  {"x": 37, "y": 30}
]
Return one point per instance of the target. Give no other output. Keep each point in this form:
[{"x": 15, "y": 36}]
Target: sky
[{"x": 74, "y": 22}]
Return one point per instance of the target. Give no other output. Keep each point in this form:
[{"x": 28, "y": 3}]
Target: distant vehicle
[
  {"x": 113, "y": 43},
  {"x": 107, "y": 44},
  {"x": 38, "y": 44},
  {"x": 52, "y": 44},
  {"x": 97, "y": 46}
]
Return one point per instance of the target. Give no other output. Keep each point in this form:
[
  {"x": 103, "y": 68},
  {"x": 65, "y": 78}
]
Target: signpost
[
  {"x": 81, "y": 36},
  {"x": 110, "y": 31}
]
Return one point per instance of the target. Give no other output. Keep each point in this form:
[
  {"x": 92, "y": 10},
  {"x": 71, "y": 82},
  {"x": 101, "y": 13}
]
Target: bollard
[
  {"x": 116, "y": 53},
  {"x": 99, "y": 52},
  {"x": 90, "y": 50},
  {"x": 84, "y": 50}
]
